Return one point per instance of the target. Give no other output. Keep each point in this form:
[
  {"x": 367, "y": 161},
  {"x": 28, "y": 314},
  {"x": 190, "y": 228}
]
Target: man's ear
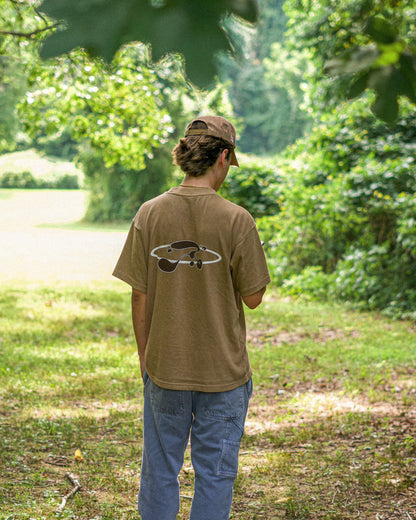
[{"x": 226, "y": 156}]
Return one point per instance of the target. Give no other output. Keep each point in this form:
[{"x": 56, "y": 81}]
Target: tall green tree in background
[
  {"x": 264, "y": 82},
  {"x": 115, "y": 112},
  {"x": 124, "y": 116}
]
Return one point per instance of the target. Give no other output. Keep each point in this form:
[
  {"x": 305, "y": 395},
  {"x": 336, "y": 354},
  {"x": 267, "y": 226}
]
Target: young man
[{"x": 192, "y": 258}]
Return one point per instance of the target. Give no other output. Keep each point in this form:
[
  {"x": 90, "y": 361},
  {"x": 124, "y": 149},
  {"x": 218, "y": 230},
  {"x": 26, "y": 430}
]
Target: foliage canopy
[
  {"x": 379, "y": 54},
  {"x": 364, "y": 44},
  {"x": 178, "y": 26}
]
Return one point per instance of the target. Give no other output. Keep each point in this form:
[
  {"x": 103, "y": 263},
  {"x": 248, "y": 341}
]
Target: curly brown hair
[{"x": 195, "y": 154}]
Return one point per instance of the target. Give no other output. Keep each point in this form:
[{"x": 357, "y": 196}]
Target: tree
[
  {"x": 263, "y": 96},
  {"x": 364, "y": 44},
  {"x": 118, "y": 115},
  {"x": 124, "y": 115}
]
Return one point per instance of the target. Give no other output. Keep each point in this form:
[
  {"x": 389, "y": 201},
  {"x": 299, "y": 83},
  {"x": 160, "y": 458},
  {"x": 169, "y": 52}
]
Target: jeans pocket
[
  {"x": 145, "y": 378},
  {"x": 224, "y": 405},
  {"x": 166, "y": 402},
  {"x": 228, "y": 463},
  {"x": 249, "y": 388}
]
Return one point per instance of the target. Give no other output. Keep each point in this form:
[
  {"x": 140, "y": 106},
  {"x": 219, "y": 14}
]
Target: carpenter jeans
[{"x": 215, "y": 422}]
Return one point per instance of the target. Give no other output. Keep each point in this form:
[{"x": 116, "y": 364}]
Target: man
[{"x": 191, "y": 258}]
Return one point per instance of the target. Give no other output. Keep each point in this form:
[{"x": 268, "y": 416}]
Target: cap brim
[{"x": 234, "y": 161}]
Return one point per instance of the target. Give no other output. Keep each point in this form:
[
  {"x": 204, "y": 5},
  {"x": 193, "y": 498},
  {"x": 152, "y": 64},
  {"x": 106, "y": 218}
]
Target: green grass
[
  {"x": 6, "y": 194},
  {"x": 330, "y": 434}
]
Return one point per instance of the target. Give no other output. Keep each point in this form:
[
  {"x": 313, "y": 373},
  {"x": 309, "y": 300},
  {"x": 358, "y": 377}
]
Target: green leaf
[
  {"x": 352, "y": 61},
  {"x": 381, "y": 30},
  {"x": 191, "y": 28},
  {"x": 386, "y": 107},
  {"x": 408, "y": 69},
  {"x": 358, "y": 86},
  {"x": 388, "y": 84},
  {"x": 390, "y": 53}
]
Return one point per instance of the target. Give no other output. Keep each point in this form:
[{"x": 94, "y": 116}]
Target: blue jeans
[{"x": 215, "y": 422}]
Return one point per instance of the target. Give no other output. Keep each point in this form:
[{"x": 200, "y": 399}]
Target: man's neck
[{"x": 203, "y": 181}]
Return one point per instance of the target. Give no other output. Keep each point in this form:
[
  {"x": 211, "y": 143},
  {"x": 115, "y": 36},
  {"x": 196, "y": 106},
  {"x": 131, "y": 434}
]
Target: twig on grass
[{"x": 76, "y": 488}]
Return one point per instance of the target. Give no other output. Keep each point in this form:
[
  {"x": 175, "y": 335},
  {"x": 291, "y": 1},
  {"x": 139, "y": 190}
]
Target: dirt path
[{"x": 33, "y": 252}]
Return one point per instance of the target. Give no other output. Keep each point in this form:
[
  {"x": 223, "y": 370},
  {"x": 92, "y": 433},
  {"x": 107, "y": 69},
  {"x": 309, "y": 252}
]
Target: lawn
[{"x": 330, "y": 434}]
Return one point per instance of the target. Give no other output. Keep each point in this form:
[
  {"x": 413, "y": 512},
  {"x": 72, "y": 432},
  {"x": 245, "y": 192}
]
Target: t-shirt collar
[{"x": 190, "y": 191}]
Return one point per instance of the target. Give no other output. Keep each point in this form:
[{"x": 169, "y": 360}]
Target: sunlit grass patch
[{"x": 328, "y": 347}]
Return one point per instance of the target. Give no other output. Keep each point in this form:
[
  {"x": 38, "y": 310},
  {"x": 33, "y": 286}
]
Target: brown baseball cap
[{"x": 215, "y": 126}]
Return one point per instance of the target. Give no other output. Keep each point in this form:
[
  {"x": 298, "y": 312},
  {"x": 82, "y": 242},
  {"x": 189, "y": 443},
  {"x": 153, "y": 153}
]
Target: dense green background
[{"x": 331, "y": 182}]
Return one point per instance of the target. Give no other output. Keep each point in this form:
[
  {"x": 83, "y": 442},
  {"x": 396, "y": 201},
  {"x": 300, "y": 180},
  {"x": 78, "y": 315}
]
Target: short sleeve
[
  {"x": 248, "y": 264},
  {"x": 132, "y": 264}
]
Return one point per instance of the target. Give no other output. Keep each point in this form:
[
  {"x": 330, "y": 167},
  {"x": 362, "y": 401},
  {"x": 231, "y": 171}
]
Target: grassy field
[{"x": 331, "y": 432}]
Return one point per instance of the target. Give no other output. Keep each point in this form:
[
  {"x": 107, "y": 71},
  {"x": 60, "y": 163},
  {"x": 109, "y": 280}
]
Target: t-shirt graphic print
[{"x": 183, "y": 252}]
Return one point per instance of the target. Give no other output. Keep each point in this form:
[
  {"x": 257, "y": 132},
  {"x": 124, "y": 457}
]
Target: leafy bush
[
  {"x": 17, "y": 180},
  {"x": 312, "y": 281},
  {"x": 378, "y": 279},
  {"x": 255, "y": 186},
  {"x": 67, "y": 182},
  {"x": 26, "y": 180},
  {"x": 347, "y": 221}
]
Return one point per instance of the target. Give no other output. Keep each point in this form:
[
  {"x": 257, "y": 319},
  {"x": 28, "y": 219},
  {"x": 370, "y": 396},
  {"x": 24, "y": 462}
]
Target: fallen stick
[{"x": 76, "y": 488}]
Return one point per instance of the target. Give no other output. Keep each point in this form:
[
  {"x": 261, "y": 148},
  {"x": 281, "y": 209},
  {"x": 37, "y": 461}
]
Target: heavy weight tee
[{"x": 194, "y": 254}]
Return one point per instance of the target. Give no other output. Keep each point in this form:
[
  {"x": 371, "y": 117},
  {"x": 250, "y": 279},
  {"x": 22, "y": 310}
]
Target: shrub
[
  {"x": 21, "y": 180},
  {"x": 25, "y": 180},
  {"x": 347, "y": 220},
  {"x": 67, "y": 182},
  {"x": 312, "y": 281},
  {"x": 116, "y": 193},
  {"x": 255, "y": 186}
]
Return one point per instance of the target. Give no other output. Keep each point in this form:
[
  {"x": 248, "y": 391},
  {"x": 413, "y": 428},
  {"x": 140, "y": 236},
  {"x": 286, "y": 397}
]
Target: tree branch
[
  {"x": 29, "y": 35},
  {"x": 40, "y": 15},
  {"x": 76, "y": 488}
]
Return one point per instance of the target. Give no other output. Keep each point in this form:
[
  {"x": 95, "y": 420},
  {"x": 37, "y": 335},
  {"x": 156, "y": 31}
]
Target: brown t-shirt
[{"x": 194, "y": 254}]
